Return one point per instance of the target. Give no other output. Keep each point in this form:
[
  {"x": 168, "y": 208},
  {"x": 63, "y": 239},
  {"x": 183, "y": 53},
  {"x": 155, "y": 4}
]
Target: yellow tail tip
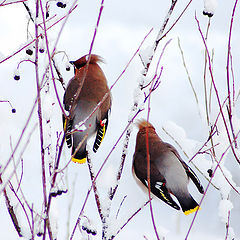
[
  {"x": 81, "y": 161},
  {"x": 192, "y": 210}
]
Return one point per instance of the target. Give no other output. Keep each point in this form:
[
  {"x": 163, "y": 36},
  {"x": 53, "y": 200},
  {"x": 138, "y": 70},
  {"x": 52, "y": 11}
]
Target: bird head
[
  {"x": 143, "y": 124},
  {"x": 81, "y": 62}
]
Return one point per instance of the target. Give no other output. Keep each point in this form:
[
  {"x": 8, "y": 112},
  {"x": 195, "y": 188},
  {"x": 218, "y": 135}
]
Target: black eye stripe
[{"x": 78, "y": 66}]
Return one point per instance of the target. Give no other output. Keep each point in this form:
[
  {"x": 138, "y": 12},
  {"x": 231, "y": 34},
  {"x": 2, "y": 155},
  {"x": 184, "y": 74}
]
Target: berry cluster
[
  {"x": 89, "y": 231},
  {"x": 61, "y": 4}
]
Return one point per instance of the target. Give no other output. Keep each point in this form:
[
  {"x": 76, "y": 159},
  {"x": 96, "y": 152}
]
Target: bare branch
[
  {"x": 12, "y": 212},
  {"x": 129, "y": 219},
  {"x": 228, "y": 74},
  {"x": 210, "y": 182},
  {"x": 188, "y": 75},
  {"x": 9, "y": 3},
  {"x": 217, "y": 95}
]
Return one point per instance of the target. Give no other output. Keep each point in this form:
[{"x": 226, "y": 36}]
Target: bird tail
[
  {"x": 188, "y": 204},
  {"x": 81, "y": 161},
  {"x": 80, "y": 156}
]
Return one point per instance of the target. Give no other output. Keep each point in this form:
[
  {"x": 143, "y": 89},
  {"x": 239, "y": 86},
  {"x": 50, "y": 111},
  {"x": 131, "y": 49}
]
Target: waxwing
[
  {"x": 169, "y": 174},
  {"x": 91, "y": 90}
]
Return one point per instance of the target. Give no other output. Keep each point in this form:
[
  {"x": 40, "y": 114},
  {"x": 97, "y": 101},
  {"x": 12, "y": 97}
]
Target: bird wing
[
  {"x": 101, "y": 130},
  {"x": 70, "y": 93},
  {"x": 68, "y": 127},
  {"x": 190, "y": 173},
  {"x": 157, "y": 181},
  {"x": 194, "y": 178},
  {"x": 160, "y": 190}
]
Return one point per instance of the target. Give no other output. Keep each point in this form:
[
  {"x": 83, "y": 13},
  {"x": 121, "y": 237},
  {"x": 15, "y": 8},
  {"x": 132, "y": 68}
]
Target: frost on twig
[
  {"x": 60, "y": 187},
  {"x": 80, "y": 126},
  {"x": 88, "y": 227},
  {"x": 12, "y": 212},
  {"x": 148, "y": 54},
  {"x": 47, "y": 110}
]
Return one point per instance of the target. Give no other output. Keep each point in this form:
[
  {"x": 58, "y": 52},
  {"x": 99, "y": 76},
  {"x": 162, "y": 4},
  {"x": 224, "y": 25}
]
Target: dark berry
[
  {"x": 88, "y": 231},
  {"x": 29, "y": 51},
  {"x": 210, "y": 173},
  {"x": 13, "y": 110},
  {"x": 39, "y": 234},
  {"x": 47, "y": 14},
  {"x": 60, "y": 4},
  {"x": 17, "y": 77},
  {"x": 209, "y": 14},
  {"x": 94, "y": 233},
  {"x": 41, "y": 50},
  {"x": 64, "y": 5},
  {"x": 68, "y": 68}
]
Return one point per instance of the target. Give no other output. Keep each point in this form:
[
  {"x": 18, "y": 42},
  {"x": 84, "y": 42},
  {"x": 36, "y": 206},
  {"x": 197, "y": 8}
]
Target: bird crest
[
  {"x": 81, "y": 62},
  {"x": 143, "y": 124}
]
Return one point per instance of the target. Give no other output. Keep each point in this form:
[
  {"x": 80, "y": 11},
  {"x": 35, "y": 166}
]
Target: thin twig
[
  {"x": 17, "y": 162},
  {"x": 71, "y": 197},
  {"x": 11, "y": 211},
  {"x": 204, "y": 195},
  {"x": 155, "y": 81},
  {"x": 7, "y": 101},
  {"x": 40, "y": 35},
  {"x": 40, "y": 121},
  {"x": 188, "y": 156},
  {"x": 227, "y": 226},
  {"x": 188, "y": 75},
  {"x": 4, "y": 4},
  {"x": 159, "y": 37},
  {"x": 217, "y": 95},
  {"x": 228, "y": 74},
  {"x": 128, "y": 220},
  {"x": 99, "y": 171},
  {"x": 94, "y": 186},
  {"x": 120, "y": 206},
  {"x": 6, "y": 182},
  {"x": 22, "y": 205},
  {"x": 205, "y": 77},
  {"x": 49, "y": 57},
  {"x": 118, "y": 140},
  {"x": 148, "y": 167},
  {"x": 147, "y": 142}
]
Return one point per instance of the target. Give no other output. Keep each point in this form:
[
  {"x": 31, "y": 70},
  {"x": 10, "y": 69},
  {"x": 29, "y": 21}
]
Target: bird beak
[{"x": 72, "y": 62}]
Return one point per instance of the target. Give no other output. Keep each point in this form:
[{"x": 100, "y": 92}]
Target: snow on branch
[{"x": 209, "y": 7}]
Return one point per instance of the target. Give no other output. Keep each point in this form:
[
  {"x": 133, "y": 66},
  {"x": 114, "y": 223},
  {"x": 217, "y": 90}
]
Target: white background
[{"x": 122, "y": 27}]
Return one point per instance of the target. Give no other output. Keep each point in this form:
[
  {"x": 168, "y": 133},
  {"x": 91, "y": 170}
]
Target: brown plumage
[
  {"x": 169, "y": 174},
  {"x": 91, "y": 84}
]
